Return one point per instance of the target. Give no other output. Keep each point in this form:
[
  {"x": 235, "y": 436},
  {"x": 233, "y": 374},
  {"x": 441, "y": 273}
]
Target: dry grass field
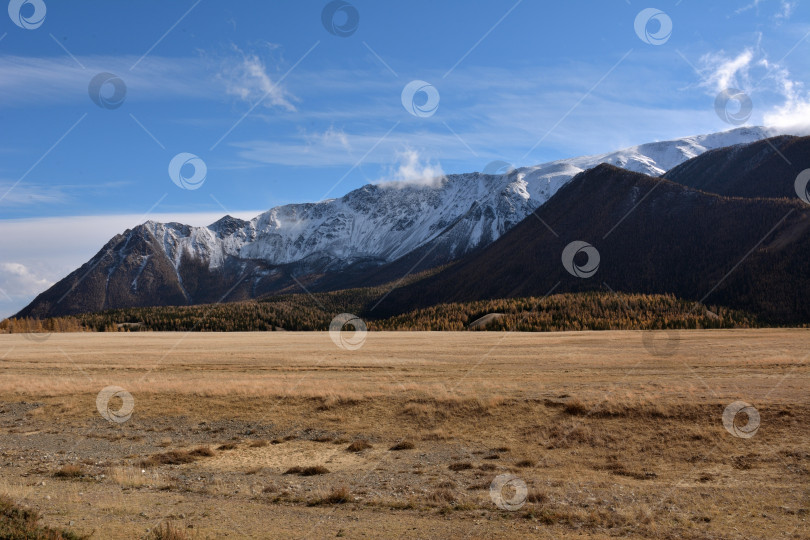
[{"x": 279, "y": 435}]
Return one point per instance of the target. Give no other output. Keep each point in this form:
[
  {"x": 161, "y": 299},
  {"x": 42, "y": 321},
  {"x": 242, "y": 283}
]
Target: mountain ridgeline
[
  {"x": 712, "y": 219},
  {"x": 655, "y": 236}
]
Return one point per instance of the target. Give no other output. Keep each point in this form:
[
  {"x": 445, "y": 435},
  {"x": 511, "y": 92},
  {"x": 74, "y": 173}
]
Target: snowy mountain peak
[{"x": 382, "y": 222}]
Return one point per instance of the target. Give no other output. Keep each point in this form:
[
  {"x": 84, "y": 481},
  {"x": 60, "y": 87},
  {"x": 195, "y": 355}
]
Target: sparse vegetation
[
  {"x": 69, "y": 471},
  {"x": 605, "y": 449},
  {"x": 167, "y": 531},
  {"x": 19, "y": 523},
  {"x": 358, "y": 446},
  {"x": 338, "y": 495},
  {"x": 307, "y": 471},
  {"x": 177, "y": 457},
  {"x": 403, "y": 445}
]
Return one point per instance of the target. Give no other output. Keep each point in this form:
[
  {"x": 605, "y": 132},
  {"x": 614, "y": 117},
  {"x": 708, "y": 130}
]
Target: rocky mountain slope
[
  {"x": 651, "y": 235},
  {"x": 409, "y": 226}
]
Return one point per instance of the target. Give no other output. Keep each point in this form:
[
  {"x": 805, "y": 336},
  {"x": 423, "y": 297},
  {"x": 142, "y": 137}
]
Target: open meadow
[{"x": 412, "y": 434}]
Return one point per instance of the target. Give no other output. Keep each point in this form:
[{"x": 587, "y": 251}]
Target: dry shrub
[
  {"x": 324, "y": 438},
  {"x": 358, "y": 446},
  {"x": 228, "y": 446},
  {"x": 258, "y": 444},
  {"x": 165, "y": 443},
  {"x": 167, "y": 531},
  {"x": 460, "y": 466},
  {"x": 442, "y": 496},
  {"x": 69, "y": 471},
  {"x": 21, "y": 523},
  {"x": 536, "y": 496},
  {"x": 487, "y": 467},
  {"x": 307, "y": 471},
  {"x": 202, "y": 451},
  {"x": 525, "y": 463},
  {"x": 177, "y": 457},
  {"x": 576, "y": 407},
  {"x": 338, "y": 495},
  {"x": 403, "y": 445}
]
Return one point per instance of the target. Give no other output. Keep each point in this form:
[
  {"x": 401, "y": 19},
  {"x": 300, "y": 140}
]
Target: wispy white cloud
[
  {"x": 783, "y": 9},
  {"x": 786, "y": 9},
  {"x": 413, "y": 169},
  {"x": 246, "y": 76},
  {"x": 17, "y": 280},
  {"x": 782, "y": 101},
  {"x": 723, "y": 71},
  {"x": 26, "y": 194},
  {"x": 45, "y": 80}
]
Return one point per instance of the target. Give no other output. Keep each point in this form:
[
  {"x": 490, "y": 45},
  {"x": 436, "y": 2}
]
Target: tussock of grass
[
  {"x": 460, "y": 466},
  {"x": 228, "y": 446},
  {"x": 358, "y": 446},
  {"x": 403, "y": 445},
  {"x": 307, "y": 471},
  {"x": 258, "y": 444},
  {"x": 177, "y": 457},
  {"x": 338, "y": 495},
  {"x": 442, "y": 496},
  {"x": 18, "y": 523},
  {"x": 167, "y": 531},
  {"x": 536, "y": 496},
  {"x": 69, "y": 471}
]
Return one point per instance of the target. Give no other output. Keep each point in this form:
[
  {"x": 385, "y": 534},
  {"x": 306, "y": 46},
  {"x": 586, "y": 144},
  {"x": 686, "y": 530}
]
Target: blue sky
[{"x": 281, "y": 110}]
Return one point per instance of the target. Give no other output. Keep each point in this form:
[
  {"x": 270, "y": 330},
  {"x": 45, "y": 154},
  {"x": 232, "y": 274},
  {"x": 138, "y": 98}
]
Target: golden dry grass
[{"x": 609, "y": 439}]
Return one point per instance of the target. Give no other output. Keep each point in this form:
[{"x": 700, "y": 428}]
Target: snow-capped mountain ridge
[{"x": 379, "y": 223}]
